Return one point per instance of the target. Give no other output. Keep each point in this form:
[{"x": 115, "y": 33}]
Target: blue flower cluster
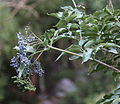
[
  {"x": 15, "y": 63},
  {"x": 25, "y": 58},
  {"x": 37, "y": 69}
]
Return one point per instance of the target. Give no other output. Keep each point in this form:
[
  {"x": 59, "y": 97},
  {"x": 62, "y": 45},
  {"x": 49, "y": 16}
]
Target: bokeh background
[{"x": 64, "y": 82}]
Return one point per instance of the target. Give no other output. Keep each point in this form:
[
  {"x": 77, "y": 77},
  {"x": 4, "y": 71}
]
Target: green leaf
[
  {"x": 45, "y": 42},
  {"x": 61, "y": 24},
  {"x": 117, "y": 92},
  {"x": 20, "y": 70},
  {"x": 86, "y": 55},
  {"x": 63, "y": 53},
  {"x": 67, "y": 8},
  {"x": 49, "y": 34},
  {"x": 114, "y": 74},
  {"x": 17, "y": 48},
  {"x": 64, "y": 36},
  {"x": 89, "y": 43},
  {"x": 113, "y": 50},
  {"x": 78, "y": 13},
  {"x": 24, "y": 83},
  {"x": 100, "y": 101},
  {"x": 72, "y": 26},
  {"x": 106, "y": 45},
  {"x": 116, "y": 102},
  {"x": 94, "y": 67},
  {"x": 30, "y": 49},
  {"x": 109, "y": 10},
  {"x": 111, "y": 98},
  {"x": 70, "y": 18},
  {"x": 81, "y": 42},
  {"x": 75, "y": 57},
  {"x": 110, "y": 45},
  {"x": 58, "y": 15}
]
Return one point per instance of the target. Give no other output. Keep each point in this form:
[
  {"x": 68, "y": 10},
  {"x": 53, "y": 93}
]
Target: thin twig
[
  {"x": 65, "y": 51},
  {"x": 37, "y": 58},
  {"x": 106, "y": 65},
  {"x": 22, "y": 4},
  {"x": 110, "y": 4},
  {"x": 74, "y": 3},
  {"x": 81, "y": 56},
  {"x": 36, "y": 36}
]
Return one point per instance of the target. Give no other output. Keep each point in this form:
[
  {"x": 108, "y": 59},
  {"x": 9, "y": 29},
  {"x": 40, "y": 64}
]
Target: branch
[
  {"x": 110, "y": 4},
  {"x": 107, "y": 65},
  {"x": 58, "y": 49},
  {"x": 22, "y": 5}
]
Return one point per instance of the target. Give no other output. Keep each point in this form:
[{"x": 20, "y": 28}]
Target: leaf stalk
[
  {"x": 74, "y": 3},
  {"x": 98, "y": 61}
]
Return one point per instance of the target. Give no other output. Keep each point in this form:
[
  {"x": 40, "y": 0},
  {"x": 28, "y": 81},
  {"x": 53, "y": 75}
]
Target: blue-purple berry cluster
[{"x": 25, "y": 58}]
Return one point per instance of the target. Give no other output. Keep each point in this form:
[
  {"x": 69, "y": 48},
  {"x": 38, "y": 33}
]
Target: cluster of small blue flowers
[
  {"x": 22, "y": 56},
  {"x": 37, "y": 69},
  {"x": 14, "y": 63}
]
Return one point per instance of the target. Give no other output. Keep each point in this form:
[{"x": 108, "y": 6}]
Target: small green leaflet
[
  {"x": 17, "y": 48},
  {"x": 112, "y": 50},
  {"x": 87, "y": 55},
  {"x": 74, "y": 57},
  {"x": 58, "y": 15},
  {"x": 20, "y": 70},
  {"x": 28, "y": 49}
]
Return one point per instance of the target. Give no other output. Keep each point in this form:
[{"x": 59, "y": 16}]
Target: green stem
[
  {"x": 35, "y": 53},
  {"x": 74, "y": 3},
  {"x": 58, "y": 49},
  {"x": 36, "y": 37},
  {"x": 37, "y": 58}
]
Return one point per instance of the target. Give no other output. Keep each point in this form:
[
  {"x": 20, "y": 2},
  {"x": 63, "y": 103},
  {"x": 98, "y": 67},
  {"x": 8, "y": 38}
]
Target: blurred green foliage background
[{"x": 14, "y": 16}]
